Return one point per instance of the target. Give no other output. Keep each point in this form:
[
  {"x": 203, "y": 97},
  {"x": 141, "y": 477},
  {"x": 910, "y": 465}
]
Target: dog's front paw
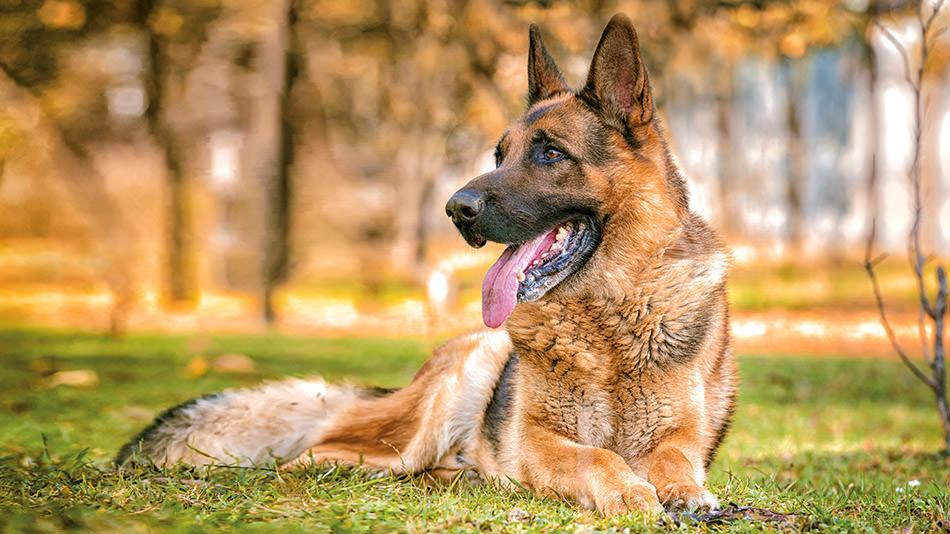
[
  {"x": 626, "y": 498},
  {"x": 687, "y": 496}
]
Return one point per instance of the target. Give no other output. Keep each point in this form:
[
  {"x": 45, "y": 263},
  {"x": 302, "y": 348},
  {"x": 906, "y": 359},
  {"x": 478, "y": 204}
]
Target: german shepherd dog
[{"x": 612, "y": 383}]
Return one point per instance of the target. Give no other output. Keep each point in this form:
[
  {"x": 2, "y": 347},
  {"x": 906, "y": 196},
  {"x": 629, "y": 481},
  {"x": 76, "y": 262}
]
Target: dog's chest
[
  {"x": 597, "y": 388},
  {"x": 647, "y": 412},
  {"x": 627, "y": 417},
  {"x": 575, "y": 394}
]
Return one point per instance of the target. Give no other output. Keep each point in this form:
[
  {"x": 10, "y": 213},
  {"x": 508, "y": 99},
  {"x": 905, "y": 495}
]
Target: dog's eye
[
  {"x": 551, "y": 154},
  {"x": 498, "y": 158}
]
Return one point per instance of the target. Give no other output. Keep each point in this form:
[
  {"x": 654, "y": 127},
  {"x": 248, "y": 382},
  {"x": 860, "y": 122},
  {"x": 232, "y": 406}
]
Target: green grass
[{"x": 838, "y": 441}]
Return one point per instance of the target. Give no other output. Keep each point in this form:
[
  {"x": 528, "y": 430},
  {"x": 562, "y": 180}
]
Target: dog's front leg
[
  {"x": 594, "y": 477},
  {"x": 678, "y": 483}
]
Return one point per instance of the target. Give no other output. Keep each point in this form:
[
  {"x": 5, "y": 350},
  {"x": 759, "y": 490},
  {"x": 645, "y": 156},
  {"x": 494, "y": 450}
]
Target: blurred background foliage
[{"x": 235, "y": 162}]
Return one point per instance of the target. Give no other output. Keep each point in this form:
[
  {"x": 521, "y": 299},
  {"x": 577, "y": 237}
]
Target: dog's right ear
[
  {"x": 544, "y": 78},
  {"x": 617, "y": 85}
]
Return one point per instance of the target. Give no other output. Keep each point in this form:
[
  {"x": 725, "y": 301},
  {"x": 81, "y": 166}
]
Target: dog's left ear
[
  {"x": 544, "y": 78},
  {"x": 617, "y": 84}
]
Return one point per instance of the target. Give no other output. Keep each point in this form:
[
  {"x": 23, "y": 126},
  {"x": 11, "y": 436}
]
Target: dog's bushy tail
[{"x": 272, "y": 423}]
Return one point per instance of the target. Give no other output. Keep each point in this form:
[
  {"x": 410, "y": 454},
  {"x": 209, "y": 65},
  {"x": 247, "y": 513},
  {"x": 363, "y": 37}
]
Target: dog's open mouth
[{"x": 526, "y": 271}]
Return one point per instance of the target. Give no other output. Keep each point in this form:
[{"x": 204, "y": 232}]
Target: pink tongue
[{"x": 500, "y": 286}]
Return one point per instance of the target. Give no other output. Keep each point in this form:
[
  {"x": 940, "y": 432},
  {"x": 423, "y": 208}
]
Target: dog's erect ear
[
  {"x": 544, "y": 78},
  {"x": 617, "y": 84}
]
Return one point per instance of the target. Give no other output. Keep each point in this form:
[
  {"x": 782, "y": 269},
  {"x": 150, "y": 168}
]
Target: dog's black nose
[{"x": 465, "y": 206}]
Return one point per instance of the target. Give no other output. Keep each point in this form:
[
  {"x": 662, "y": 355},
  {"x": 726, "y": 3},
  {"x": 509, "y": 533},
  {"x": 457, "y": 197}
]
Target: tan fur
[
  {"x": 413, "y": 428},
  {"x": 615, "y": 388},
  {"x": 625, "y": 380}
]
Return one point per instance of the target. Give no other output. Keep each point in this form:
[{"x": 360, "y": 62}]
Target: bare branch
[
  {"x": 890, "y": 332},
  {"x": 900, "y": 48},
  {"x": 933, "y": 14},
  {"x": 941, "y": 291},
  {"x": 937, "y": 366},
  {"x": 936, "y": 310},
  {"x": 879, "y": 259},
  {"x": 916, "y": 258},
  {"x": 872, "y": 205},
  {"x": 868, "y": 262},
  {"x": 938, "y": 360},
  {"x": 885, "y": 322},
  {"x": 922, "y": 333}
]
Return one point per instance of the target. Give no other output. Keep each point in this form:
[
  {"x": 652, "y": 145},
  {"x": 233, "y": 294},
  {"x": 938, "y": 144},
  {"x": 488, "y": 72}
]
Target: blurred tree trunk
[
  {"x": 422, "y": 231},
  {"x": 279, "y": 191},
  {"x": 933, "y": 89},
  {"x": 182, "y": 285},
  {"x": 870, "y": 63},
  {"x": 87, "y": 186},
  {"x": 797, "y": 164},
  {"x": 728, "y": 166}
]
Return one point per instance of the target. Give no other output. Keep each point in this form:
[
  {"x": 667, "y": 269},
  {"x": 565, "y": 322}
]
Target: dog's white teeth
[
  {"x": 561, "y": 233},
  {"x": 554, "y": 246},
  {"x": 535, "y": 262},
  {"x": 521, "y": 277}
]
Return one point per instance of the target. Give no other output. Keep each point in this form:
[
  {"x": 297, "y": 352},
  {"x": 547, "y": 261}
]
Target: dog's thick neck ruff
[{"x": 651, "y": 311}]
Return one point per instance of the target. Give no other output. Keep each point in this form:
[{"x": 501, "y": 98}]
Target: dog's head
[{"x": 577, "y": 169}]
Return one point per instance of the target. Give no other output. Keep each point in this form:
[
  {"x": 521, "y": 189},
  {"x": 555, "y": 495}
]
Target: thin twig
[
  {"x": 936, "y": 310},
  {"x": 879, "y": 259},
  {"x": 922, "y": 334},
  {"x": 900, "y": 48},
  {"x": 941, "y": 311},
  {"x": 885, "y": 322},
  {"x": 918, "y": 259},
  {"x": 933, "y": 14},
  {"x": 939, "y": 352},
  {"x": 938, "y": 361}
]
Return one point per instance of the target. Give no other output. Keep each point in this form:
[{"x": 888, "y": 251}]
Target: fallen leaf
[
  {"x": 233, "y": 363},
  {"x": 196, "y": 367},
  {"x": 77, "y": 378}
]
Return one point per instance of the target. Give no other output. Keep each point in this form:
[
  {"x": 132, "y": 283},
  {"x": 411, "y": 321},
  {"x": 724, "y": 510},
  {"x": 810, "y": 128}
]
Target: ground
[{"x": 846, "y": 444}]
